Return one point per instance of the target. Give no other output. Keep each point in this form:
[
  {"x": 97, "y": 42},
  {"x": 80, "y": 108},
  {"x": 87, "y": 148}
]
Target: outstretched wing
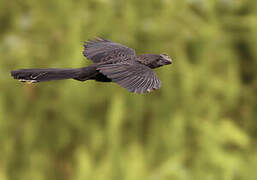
[
  {"x": 131, "y": 75},
  {"x": 101, "y": 50}
]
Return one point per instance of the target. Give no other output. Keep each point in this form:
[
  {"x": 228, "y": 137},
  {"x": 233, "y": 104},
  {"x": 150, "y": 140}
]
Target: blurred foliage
[{"x": 201, "y": 125}]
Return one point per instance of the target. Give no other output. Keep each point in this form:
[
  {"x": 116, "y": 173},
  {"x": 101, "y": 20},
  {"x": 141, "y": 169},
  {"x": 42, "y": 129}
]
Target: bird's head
[
  {"x": 164, "y": 59},
  {"x": 155, "y": 60}
]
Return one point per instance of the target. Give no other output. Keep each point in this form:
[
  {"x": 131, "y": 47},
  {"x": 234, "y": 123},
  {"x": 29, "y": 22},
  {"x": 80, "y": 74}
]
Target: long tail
[{"x": 39, "y": 75}]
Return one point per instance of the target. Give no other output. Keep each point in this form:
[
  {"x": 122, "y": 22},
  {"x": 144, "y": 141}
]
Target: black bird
[{"x": 112, "y": 62}]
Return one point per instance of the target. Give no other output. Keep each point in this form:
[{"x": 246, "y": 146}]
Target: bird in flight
[{"x": 112, "y": 62}]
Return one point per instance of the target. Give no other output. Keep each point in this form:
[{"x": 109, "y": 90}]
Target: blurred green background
[{"x": 201, "y": 125}]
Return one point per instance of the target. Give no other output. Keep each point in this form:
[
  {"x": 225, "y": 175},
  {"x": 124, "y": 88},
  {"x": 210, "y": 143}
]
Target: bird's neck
[{"x": 147, "y": 59}]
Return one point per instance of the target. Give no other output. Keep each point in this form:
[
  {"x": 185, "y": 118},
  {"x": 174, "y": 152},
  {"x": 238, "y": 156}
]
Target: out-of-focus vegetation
[{"x": 201, "y": 125}]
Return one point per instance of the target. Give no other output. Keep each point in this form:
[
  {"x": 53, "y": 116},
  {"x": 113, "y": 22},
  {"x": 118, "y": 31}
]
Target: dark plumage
[{"x": 112, "y": 62}]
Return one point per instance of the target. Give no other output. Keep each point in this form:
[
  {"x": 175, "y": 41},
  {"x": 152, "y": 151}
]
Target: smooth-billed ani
[{"x": 112, "y": 62}]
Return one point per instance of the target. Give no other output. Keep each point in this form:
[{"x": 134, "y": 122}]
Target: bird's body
[{"x": 112, "y": 62}]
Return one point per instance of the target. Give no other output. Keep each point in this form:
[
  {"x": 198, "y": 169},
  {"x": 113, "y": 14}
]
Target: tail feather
[{"x": 39, "y": 75}]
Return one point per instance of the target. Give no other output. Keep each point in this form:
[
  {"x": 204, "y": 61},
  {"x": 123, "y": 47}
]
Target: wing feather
[
  {"x": 131, "y": 75},
  {"x": 102, "y": 50}
]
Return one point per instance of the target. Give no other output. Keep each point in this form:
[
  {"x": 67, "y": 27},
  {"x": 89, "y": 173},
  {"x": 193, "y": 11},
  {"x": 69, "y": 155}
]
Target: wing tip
[{"x": 96, "y": 39}]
